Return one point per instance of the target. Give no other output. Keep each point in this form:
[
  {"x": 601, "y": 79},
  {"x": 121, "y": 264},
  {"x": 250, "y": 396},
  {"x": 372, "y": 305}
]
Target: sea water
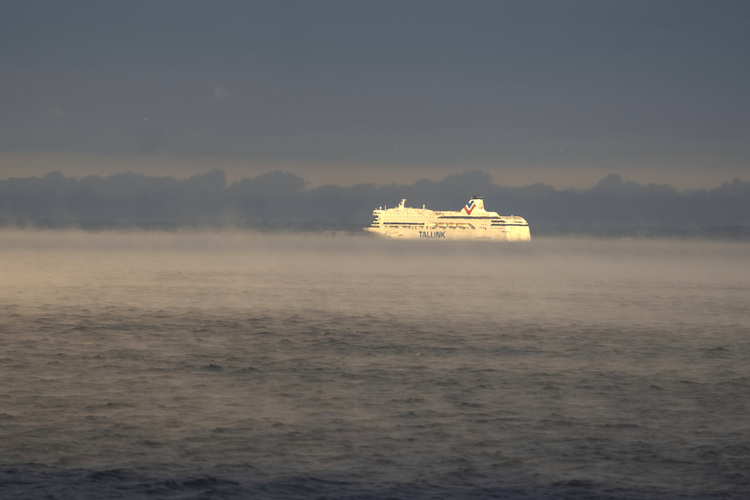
[{"x": 243, "y": 365}]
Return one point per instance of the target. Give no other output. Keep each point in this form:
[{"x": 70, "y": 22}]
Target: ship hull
[{"x": 512, "y": 233}]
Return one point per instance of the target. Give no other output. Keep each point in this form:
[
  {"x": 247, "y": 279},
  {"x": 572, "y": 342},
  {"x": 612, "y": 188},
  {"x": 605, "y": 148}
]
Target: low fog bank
[
  {"x": 279, "y": 201},
  {"x": 550, "y": 280},
  {"x": 338, "y": 247}
]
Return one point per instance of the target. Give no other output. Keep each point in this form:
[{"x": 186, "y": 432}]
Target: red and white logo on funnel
[{"x": 470, "y": 207}]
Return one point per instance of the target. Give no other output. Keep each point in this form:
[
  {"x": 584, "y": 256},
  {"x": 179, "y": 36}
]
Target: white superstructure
[{"x": 471, "y": 222}]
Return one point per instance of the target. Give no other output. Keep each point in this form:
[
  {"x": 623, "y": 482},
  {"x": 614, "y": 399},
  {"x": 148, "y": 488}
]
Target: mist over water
[{"x": 239, "y": 364}]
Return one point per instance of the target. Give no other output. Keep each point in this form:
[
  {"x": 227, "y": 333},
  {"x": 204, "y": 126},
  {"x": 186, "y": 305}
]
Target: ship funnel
[{"x": 475, "y": 203}]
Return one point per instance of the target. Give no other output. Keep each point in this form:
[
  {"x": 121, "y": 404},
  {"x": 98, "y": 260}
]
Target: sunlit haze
[{"x": 234, "y": 364}]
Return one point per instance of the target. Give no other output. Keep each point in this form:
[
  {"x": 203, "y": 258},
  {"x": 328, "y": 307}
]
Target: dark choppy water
[{"x": 234, "y": 365}]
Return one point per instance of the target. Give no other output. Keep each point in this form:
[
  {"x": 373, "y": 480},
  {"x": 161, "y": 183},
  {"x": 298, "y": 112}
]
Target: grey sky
[{"x": 562, "y": 92}]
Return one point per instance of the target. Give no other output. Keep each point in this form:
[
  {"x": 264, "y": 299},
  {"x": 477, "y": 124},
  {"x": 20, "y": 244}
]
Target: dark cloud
[
  {"x": 661, "y": 85},
  {"x": 285, "y": 200},
  {"x": 151, "y": 138}
]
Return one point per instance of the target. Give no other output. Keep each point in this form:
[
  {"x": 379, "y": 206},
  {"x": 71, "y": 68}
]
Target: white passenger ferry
[{"x": 471, "y": 222}]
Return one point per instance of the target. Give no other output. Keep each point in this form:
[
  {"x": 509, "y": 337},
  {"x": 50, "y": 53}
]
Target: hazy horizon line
[{"x": 308, "y": 185}]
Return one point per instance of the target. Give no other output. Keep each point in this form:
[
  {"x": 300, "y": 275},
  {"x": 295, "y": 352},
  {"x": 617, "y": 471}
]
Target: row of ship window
[{"x": 493, "y": 224}]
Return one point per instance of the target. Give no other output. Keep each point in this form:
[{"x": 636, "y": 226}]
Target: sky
[{"x": 344, "y": 92}]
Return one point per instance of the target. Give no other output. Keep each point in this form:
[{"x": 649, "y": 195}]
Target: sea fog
[{"x": 238, "y": 364}]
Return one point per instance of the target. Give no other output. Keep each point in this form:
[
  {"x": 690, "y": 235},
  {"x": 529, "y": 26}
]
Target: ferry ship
[{"x": 471, "y": 222}]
